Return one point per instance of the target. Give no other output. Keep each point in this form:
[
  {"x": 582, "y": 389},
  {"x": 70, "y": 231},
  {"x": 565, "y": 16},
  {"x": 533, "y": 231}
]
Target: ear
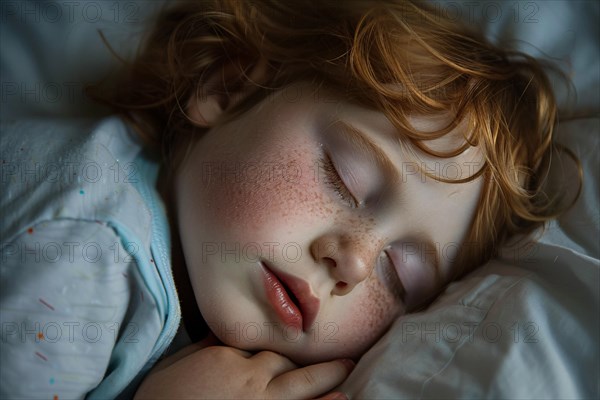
[{"x": 223, "y": 89}]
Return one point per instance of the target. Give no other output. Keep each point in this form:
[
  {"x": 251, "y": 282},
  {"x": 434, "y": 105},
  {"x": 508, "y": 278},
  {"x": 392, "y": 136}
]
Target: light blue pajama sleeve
[
  {"x": 67, "y": 286},
  {"x": 87, "y": 299}
]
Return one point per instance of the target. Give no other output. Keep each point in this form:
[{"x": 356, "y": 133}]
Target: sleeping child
[{"x": 286, "y": 178}]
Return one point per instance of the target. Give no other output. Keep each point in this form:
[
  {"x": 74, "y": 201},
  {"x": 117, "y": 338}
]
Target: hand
[{"x": 228, "y": 373}]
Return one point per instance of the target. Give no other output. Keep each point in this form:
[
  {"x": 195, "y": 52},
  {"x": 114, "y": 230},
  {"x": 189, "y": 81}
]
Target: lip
[{"x": 301, "y": 316}]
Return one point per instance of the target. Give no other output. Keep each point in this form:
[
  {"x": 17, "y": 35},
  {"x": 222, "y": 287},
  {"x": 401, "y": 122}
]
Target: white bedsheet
[{"x": 524, "y": 326}]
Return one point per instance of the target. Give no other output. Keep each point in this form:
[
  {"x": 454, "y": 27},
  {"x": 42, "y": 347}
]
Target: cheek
[
  {"x": 258, "y": 196},
  {"x": 378, "y": 307},
  {"x": 374, "y": 312}
]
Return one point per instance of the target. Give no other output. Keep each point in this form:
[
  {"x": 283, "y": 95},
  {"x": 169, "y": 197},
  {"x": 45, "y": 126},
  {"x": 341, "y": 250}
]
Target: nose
[{"x": 349, "y": 260}]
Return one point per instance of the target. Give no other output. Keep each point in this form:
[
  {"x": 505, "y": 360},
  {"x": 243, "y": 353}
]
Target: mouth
[{"x": 291, "y": 298}]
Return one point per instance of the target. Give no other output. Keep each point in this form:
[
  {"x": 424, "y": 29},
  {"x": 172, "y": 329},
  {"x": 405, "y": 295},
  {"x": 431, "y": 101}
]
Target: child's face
[{"x": 258, "y": 206}]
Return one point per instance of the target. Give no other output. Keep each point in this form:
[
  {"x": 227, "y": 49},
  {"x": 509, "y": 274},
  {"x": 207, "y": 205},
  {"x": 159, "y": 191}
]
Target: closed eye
[
  {"x": 333, "y": 180},
  {"x": 391, "y": 277}
]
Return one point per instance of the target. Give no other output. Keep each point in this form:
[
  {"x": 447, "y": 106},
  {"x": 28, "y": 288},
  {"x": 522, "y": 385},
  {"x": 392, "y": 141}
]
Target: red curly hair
[{"x": 402, "y": 58}]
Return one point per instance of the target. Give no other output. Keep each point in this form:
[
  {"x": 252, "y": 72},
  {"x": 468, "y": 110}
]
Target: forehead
[
  {"x": 326, "y": 106},
  {"x": 346, "y": 105},
  {"x": 378, "y": 128}
]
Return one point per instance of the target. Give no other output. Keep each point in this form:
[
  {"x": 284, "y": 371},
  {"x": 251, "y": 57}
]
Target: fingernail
[{"x": 348, "y": 363}]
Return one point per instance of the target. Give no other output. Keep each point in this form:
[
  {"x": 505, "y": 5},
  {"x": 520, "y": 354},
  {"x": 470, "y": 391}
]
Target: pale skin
[{"x": 369, "y": 247}]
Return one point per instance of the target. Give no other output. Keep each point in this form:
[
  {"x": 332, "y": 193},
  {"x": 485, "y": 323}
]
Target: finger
[
  {"x": 234, "y": 350},
  {"x": 310, "y": 381},
  {"x": 334, "y": 396},
  {"x": 274, "y": 363}
]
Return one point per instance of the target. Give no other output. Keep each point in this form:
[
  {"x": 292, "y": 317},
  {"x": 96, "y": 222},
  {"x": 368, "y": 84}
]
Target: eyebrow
[{"x": 360, "y": 139}]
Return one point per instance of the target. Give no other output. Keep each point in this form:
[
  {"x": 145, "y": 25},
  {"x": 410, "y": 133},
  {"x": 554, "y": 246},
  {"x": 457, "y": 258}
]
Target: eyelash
[{"x": 335, "y": 182}]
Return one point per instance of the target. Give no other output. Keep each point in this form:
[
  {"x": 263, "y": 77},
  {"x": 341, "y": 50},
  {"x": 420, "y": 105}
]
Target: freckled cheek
[
  {"x": 259, "y": 197},
  {"x": 375, "y": 311}
]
